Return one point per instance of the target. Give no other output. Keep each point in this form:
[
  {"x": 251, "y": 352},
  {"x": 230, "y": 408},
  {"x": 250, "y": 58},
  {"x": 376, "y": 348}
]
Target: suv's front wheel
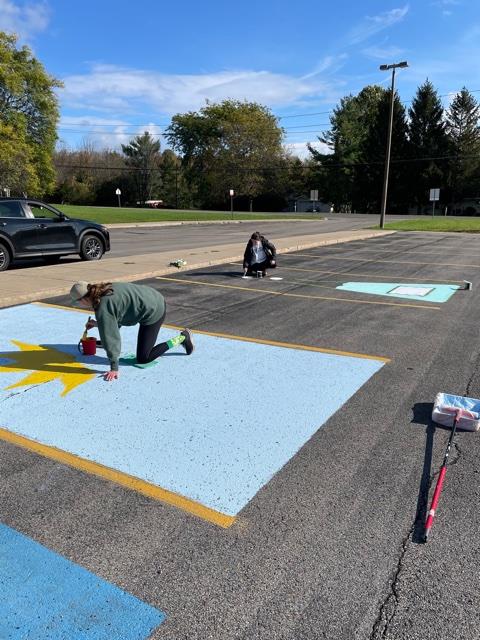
[
  {"x": 91, "y": 248},
  {"x": 4, "y": 257}
]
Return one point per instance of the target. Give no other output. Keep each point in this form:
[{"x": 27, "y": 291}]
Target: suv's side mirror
[{"x": 61, "y": 218}]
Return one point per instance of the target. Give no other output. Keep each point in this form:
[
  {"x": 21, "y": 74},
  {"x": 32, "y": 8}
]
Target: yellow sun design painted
[{"x": 46, "y": 364}]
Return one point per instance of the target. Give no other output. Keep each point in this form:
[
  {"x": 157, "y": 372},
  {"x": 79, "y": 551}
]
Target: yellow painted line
[
  {"x": 288, "y": 345},
  {"x": 118, "y": 477},
  {"x": 435, "y": 264},
  {"x": 360, "y": 275},
  {"x": 59, "y": 306},
  {"x": 298, "y": 295},
  {"x": 275, "y": 343}
]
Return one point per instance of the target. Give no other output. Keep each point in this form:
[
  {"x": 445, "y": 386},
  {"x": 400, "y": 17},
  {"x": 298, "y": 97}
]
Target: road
[{"x": 132, "y": 241}]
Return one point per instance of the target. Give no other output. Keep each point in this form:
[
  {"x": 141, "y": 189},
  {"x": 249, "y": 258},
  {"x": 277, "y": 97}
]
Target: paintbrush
[{"x": 84, "y": 337}]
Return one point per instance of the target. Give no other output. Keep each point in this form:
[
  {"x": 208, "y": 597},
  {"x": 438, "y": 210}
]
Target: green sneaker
[{"x": 187, "y": 344}]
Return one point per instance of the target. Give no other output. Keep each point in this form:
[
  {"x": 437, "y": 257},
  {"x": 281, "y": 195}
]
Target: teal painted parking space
[{"x": 411, "y": 291}]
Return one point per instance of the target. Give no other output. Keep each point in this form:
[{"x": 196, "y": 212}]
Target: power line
[
  {"x": 280, "y": 167},
  {"x": 157, "y": 133}
]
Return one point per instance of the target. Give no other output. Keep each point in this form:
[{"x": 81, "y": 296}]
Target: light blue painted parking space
[
  {"x": 44, "y": 596},
  {"x": 213, "y": 427},
  {"x": 426, "y": 292}
]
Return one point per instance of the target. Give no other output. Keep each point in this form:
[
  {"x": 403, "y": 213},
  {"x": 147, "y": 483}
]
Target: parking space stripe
[
  {"x": 360, "y": 275},
  {"x": 118, "y": 477},
  {"x": 297, "y": 295},
  {"x": 275, "y": 343},
  {"x": 440, "y": 251},
  {"x": 61, "y": 306},
  {"x": 288, "y": 345},
  {"x": 433, "y": 264}
]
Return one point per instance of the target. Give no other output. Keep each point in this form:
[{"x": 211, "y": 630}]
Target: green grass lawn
[
  {"x": 106, "y": 215},
  {"x": 442, "y": 223}
]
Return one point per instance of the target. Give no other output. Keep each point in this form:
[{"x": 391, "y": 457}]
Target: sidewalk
[{"x": 25, "y": 285}]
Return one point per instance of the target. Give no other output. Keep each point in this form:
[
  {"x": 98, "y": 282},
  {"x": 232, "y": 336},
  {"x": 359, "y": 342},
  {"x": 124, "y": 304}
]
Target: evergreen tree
[
  {"x": 427, "y": 138},
  {"x": 352, "y": 175},
  {"x": 464, "y": 136},
  {"x": 373, "y": 155},
  {"x": 143, "y": 156}
]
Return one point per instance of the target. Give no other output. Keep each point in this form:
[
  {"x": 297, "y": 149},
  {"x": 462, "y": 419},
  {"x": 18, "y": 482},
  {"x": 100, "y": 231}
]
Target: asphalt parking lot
[{"x": 328, "y": 543}]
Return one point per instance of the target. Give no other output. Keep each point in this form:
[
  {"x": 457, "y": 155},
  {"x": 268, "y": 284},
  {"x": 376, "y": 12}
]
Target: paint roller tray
[{"x": 444, "y": 408}]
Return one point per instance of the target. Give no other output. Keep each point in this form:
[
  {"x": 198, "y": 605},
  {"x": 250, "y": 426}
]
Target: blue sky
[{"x": 129, "y": 66}]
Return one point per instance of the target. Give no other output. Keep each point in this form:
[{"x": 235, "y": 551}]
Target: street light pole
[{"x": 386, "y": 67}]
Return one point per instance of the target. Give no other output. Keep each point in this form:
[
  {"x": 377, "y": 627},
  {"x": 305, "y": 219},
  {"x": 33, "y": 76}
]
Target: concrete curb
[
  {"x": 179, "y": 223},
  {"x": 288, "y": 245}
]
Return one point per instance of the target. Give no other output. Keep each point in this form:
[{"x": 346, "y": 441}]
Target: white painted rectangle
[{"x": 411, "y": 291}]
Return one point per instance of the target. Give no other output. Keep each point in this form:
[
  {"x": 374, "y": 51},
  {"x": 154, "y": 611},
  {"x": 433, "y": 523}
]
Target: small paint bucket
[{"x": 88, "y": 346}]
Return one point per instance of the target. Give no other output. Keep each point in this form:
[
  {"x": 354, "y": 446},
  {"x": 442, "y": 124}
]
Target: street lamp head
[{"x": 398, "y": 65}]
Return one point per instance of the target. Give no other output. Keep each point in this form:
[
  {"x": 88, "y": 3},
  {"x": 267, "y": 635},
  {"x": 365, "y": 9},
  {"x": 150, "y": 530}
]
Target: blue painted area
[
  {"x": 438, "y": 293},
  {"x": 44, "y": 596},
  {"x": 214, "y": 426}
]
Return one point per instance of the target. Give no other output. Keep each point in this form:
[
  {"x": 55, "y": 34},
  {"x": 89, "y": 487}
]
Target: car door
[
  {"x": 18, "y": 227},
  {"x": 57, "y": 233}
]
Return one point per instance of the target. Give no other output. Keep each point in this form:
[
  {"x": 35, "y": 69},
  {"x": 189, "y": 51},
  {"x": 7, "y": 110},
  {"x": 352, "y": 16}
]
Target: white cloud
[
  {"x": 328, "y": 63},
  {"x": 108, "y": 88},
  {"x": 300, "y": 149},
  {"x": 24, "y": 19},
  {"x": 374, "y": 24},
  {"x": 383, "y": 53},
  {"x": 446, "y": 6},
  {"x": 104, "y": 132},
  {"x": 446, "y": 3}
]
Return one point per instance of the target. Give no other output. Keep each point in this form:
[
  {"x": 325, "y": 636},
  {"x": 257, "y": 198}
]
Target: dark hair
[
  {"x": 97, "y": 291},
  {"x": 256, "y": 236}
]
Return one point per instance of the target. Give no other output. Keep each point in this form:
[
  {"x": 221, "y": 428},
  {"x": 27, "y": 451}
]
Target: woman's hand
[
  {"x": 111, "y": 375},
  {"x": 90, "y": 324}
]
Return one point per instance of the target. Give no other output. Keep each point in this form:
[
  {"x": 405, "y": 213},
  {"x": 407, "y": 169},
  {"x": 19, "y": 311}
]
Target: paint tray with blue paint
[{"x": 445, "y": 407}]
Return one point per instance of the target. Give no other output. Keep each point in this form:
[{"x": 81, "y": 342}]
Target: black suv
[{"x": 32, "y": 229}]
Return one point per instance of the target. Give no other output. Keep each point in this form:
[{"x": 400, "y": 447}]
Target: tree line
[
  {"x": 431, "y": 148},
  {"x": 240, "y": 145}
]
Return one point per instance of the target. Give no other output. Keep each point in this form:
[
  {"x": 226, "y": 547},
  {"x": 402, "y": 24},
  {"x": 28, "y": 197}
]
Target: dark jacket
[
  {"x": 129, "y": 304},
  {"x": 249, "y": 255}
]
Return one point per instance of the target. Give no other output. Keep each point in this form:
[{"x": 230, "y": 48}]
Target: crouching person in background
[{"x": 260, "y": 255}]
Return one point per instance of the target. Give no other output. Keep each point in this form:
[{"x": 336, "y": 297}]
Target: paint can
[{"x": 88, "y": 346}]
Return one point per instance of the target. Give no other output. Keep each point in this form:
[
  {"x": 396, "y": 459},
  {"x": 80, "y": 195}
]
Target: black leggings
[
  {"x": 147, "y": 335},
  {"x": 260, "y": 266}
]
